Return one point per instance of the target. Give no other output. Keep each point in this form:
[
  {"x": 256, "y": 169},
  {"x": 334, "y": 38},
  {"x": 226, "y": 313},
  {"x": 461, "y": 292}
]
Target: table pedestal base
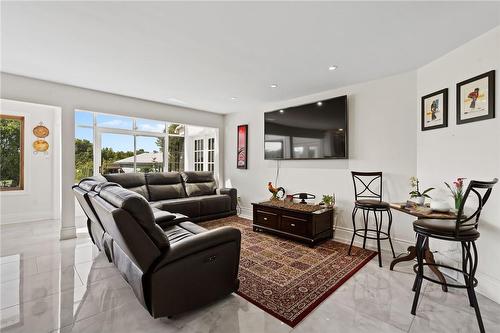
[{"x": 428, "y": 257}]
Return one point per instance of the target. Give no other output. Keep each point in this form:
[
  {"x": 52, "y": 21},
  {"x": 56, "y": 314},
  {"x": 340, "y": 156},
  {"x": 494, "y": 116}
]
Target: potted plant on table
[
  {"x": 457, "y": 191},
  {"x": 328, "y": 200},
  {"x": 419, "y": 197}
]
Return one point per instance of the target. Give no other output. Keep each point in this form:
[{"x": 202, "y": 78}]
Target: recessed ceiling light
[
  {"x": 332, "y": 68},
  {"x": 282, "y": 111},
  {"x": 274, "y": 85},
  {"x": 341, "y": 129},
  {"x": 234, "y": 98},
  {"x": 319, "y": 103}
]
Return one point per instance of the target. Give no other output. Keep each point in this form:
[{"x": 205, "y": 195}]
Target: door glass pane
[
  {"x": 117, "y": 153},
  {"x": 150, "y": 125},
  {"x": 211, "y": 154},
  {"x": 198, "y": 155},
  {"x": 84, "y": 118},
  {"x": 149, "y": 153},
  {"x": 11, "y": 152},
  {"x": 84, "y": 153},
  {"x": 111, "y": 121}
]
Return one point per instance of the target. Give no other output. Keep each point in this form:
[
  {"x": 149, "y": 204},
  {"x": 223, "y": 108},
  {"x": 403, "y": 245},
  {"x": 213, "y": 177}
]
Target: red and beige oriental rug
[{"x": 288, "y": 279}]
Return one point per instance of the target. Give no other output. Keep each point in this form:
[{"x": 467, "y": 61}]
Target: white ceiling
[{"x": 205, "y": 53}]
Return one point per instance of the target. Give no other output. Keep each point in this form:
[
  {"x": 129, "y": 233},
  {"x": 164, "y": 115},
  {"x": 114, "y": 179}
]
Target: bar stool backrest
[
  {"x": 367, "y": 185},
  {"x": 482, "y": 190}
]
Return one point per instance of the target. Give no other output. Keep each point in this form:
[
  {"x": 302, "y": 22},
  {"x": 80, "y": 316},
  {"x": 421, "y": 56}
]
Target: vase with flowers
[
  {"x": 415, "y": 193},
  {"x": 457, "y": 191}
]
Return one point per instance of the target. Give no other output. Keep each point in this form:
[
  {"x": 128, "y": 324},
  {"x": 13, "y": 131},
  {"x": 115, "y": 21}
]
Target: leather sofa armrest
[
  {"x": 198, "y": 243},
  {"x": 233, "y": 194}
]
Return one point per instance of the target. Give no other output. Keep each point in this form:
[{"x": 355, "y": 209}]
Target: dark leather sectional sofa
[{"x": 173, "y": 267}]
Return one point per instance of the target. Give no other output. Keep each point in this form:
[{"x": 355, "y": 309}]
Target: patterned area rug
[{"x": 289, "y": 279}]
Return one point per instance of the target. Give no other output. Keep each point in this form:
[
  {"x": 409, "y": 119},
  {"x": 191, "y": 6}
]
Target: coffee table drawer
[
  {"x": 266, "y": 219},
  {"x": 294, "y": 225}
]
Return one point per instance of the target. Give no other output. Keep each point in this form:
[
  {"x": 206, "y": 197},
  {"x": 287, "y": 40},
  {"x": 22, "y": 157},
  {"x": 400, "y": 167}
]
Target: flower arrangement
[
  {"x": 457, "y": 191},
  {"x": 415, "y": 189}
]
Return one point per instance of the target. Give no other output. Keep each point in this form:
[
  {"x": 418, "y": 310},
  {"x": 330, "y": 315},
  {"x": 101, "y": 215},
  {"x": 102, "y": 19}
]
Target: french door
[{"x": 204, "y": 153}]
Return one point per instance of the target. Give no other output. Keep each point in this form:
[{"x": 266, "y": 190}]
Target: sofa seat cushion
[
  {"x": 215, "y": 203},
  {"x": 187, "y": 206},
  {"x": 135, "y": 181},
  {"x": 165, "y": 185}
]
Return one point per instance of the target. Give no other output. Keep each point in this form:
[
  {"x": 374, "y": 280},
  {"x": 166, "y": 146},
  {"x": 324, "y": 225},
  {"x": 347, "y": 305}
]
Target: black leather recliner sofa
[
  {"x": 172, "y": 269},
  {"x": 190, "y": 193}
]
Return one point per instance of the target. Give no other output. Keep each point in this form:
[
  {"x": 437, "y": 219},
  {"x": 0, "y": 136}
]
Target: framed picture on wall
[
  {"x": 435, "y": 110},
  {"x": 476, "y": 98},
  {"x": 241, "y": 162}
]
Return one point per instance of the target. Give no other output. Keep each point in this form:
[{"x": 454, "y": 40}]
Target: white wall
[
  {"x": 469, "y": 150},
  {"x": 39, "y": 200},
  {"x": 70, "y": 98},
  {"x": 382, "y": 137}
]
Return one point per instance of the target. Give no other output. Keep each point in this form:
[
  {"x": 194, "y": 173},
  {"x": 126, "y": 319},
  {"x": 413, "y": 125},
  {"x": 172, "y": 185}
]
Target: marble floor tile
[
  {"x": 39, "y": 285},
  {"x": 450, "y": 311},
  {"x": 378, "y": 293},
  {"x": 335, "y": 317},
  {"x": 88, "y": 272},
  {"x": 13, "y": 270},
  {"x": 232, "y": 314}
]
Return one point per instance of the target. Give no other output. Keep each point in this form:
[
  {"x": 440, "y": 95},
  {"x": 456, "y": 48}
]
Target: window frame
[{"x": 22, "y": 120}]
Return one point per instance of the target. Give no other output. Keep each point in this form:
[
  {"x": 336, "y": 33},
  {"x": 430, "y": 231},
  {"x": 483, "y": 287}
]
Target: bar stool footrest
[
  {"x": 361, "y": 233},
  {"x": 463, "y": 286}
]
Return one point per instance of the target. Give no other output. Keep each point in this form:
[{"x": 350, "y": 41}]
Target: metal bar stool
[
  {"x": 368, "y": 198},
  {"x": 463, "y": 230}
]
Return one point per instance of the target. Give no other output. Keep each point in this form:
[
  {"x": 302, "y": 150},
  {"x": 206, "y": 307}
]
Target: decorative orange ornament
[
  {"x": 41, "y": 131},
  {"x": 40, "y": 145}
]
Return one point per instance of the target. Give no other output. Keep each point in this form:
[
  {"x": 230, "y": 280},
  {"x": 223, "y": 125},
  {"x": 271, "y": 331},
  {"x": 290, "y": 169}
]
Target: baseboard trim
[
  {"x": 488, "y": 287},
  {"x": 26, "y": 217},
  {"x": 344, "y": 235},
  {"x": 68, "y": 233},
  {"x": 246, "y": 213}
]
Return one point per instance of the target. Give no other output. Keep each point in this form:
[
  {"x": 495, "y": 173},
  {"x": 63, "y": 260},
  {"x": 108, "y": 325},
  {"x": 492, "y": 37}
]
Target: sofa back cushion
[
  {"x": 164, "y": 186},
  {"x": 199, "y": 183},
  {"x": 137, "y": 206},
  {"x": 134, "y": 181}
]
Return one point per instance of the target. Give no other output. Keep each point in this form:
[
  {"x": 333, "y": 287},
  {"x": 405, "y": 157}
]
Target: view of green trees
[
  {"x": 10, "y": 153},
  {"x": 84, "y": 155}
]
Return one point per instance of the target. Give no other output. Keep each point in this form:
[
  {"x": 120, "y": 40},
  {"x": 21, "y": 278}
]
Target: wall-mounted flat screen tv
[{"x": 311, "y": 131}]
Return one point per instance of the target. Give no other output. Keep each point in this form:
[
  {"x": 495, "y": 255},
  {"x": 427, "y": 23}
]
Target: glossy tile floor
[{"x": 53, "y": 286}]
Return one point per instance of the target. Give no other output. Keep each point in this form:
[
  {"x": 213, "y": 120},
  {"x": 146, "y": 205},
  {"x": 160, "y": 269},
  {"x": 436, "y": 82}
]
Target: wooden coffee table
[
  {"x": 422, "y": 213},
  {"x": 302, "y": 222}
]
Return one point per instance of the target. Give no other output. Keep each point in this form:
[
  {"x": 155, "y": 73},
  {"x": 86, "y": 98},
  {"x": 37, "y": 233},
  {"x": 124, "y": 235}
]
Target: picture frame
[
  {"x": 242, "y": 147},
  {"x": 434, "y": 110},
  {"x": 476, "y": 98}
]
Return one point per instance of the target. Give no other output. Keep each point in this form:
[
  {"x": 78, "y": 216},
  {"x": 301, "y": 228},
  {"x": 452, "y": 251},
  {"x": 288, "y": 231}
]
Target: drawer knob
[
  {"x": 292, "y": 224},
  {"x": 265, "y": 218}
]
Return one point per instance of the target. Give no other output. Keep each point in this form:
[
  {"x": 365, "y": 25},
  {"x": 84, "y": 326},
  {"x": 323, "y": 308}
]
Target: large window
[
  {"x": 175, "y": 147},
  {"x": 84, "y": 145},
  {"x": 106, "y": 143},
  {"x": 11, "y": 153}
]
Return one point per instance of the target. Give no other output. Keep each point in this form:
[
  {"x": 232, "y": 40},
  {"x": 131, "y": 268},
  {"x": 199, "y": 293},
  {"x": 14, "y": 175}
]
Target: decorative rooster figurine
[{"x": 275, "y": 191}]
